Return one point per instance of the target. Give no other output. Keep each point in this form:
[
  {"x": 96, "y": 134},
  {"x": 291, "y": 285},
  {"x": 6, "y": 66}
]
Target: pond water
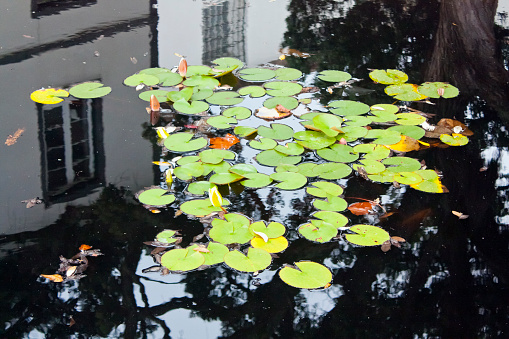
[{"x": 86, "y": 159}]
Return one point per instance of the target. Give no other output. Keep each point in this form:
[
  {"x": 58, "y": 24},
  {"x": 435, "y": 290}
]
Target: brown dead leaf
[
  {"x": 386, "y": 246},
  {"x": 451, "y": 124},
  {"x": 406, "y": 144},
  {"x": 201, "y": 249},
  {"x": 361, "y": 208},
  {"x": 71, "y": 321},
  {"x": 13, "y": 138}
]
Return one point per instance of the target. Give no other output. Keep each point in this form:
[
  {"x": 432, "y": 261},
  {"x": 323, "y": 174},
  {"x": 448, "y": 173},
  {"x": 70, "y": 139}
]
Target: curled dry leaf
[
  {"x": 460, "y": 215},
  {"x": 386, "y": 246},
  {"x": 84, "y": 247},
  {"x": 201, "y": 249},
  {"x": 13, "y": 138}
]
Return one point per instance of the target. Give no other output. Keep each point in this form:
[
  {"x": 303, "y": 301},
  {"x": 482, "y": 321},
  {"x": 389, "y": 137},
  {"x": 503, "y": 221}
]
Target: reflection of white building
[{"x": 204, "y": 30}]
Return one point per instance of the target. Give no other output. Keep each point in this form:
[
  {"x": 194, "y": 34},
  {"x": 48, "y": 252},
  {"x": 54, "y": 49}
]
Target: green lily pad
[
  {"x": 198, "y": 70},
  {"x": 155, "y": 71},
  {"x": 182, "y": 259},
  {"x": 234, "y": 229},
  {"x": 318, "y": 230},
  {"x": 137, "y": 79},
  {"x": 313, "y": 139},
  {"x": 240, "y": 113},
  {"x": 161, "y": 95},
  {"x": 334, "y": 218},
  {"x": 215, "y": 254},
  {"x": 263, "y": 144},
  {"x": 288, "y": 74},
  {"x": 201, "y": 93},
  {"x": 401, "y": 164},
  {"x": 49, "y": 96},
  {"x": 367, "y": 235},
  {"x": 370, "y": 166},
  {"x": 255, "y": 260},
  {"x": 438, "y": 89},
  {"x": 383, "y": 136},
  {"x": 388, "y": 77},
  {"x": 404, "y": 92},
  {"x": 225, "y": 178},
  {"x": 225, "y": 98},
  {"x": 409, "y": 119},
  {"x": 307, "y": 274},
  {"x": 276, "y": 131},
  {"x": 256, "y": 180},
  {"x": 323, "y": 189},
  {"x": 290, "y": 148},
  {"x": 169, "y": 78},
  {"x": 274, "y": 158},
  {"x": 189, "y": 171},
  {"x": 373, "y": 151},
  {"x": 181, "y": 142},
  {"x": 287, "y": 168},
  {"x": 166, "y": 236},
  {"x": 203, "y": 81},
  {"x": 385, "y": 176},
  {"x": 194, "y": 107},
  {"x": 221, "y": 122},
  {"x": 332, "y": 203},
  {"x": 199, "y": 187},
  {"x": 185, "y": 94},
  {"x": 200, "y": 207},
  {"x": 256, "y": 74},
  {"x": 187, "y": 160},
  {"x": 226, "y": 65},
  {"x": 408, "y": 178},
  {"x": 156, "y": 197},
  {"x": 272, "y": 245},
  {"x": 431, "y": 182},
  {"x": 287, "y": 102},
  {"x": 387, "y": 108},
  {"x": 329, "y": 124},
  {"x": 252, "y": 91},
  {"x": 348, "y": 107},
  {"x": 244, "y": 131},
  {"x": 222, "y": 167},
  {"x": 334, "y": 76},
  {"x": 382, "y": 116},
  {"x": 454, "y": 139},
  {"x": 289, "y": 180},
  {"x": 352, "y": 133},
  {"x": 307, "y": 169},
  {"x": 353, "y": 120},
  {"x": 332, "y": 171},
  {"x": 243, "y": 169},
  {"x": 89, "y": 90},
  {"x": 272, "y": 230},
  {"x": 282, "y": 88},
  {"x": 338, "y": 153},
  {"x": 215, "y": 156},
  {"x": 411, "y": 131}
]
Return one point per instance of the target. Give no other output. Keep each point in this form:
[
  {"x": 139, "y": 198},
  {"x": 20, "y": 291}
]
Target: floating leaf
[
  {"x": 224, "y": 178},
  {"x": 222, "y": 167},
  {"x": 454, "y": 139},
  {"x": 215, "y": 156},
  {"x": 381, "y": 116},
  {"x": 198, "y": 70},
  {"x": 226, "y": 65},
  {"x": 332, "y": 171},
  {"x": 289, "y": 180},
  {"x": 215, "y": 254},
  {"x": 352, "y": 133},
  {"x": 201, "y": 93},
  {"x": 388, "y": 77},
  {"x": 282, "y": 88},
  {"x": 401, "y": 164},
  {"x": 256, "y": 180},
  {"x": 199, "y": 187},
  {"x": 276, "y": 131},
  {"x": 370, "y": 166},
  {"x": 252, "y": 91},
  {"x": 307, "y": 274},
  {"x": 238, "y": 112},
  {"x": 333, "y": 218},
  {"x": 221, "y": 122},
  {"x": 318, "y": 230},
  {"x": 89, "y": 90},
  {"x": 367, "y": 235},
  {"x": 287, "y": 168},
  {"x": 348, "y": 107},
  {"x": 384, "y": 136},
  {"x": 323, "y": 189},
  {"x": 406, "y": 144},
  {"x": 405, "y": 92},
  {"x": 169, "y": 79},
  {"x": 361, "y": 208},
  {"x": 140, "y": 78},
  {"x": 353, "y": 120},
  {"x": 329, "y": 124},
  {"x": 243, "y": 169},
  {"x": 185, "y": 94},
  {"x": 386, "y": 108},
  {"x": 373, "y": 151},
  {"x": 200, "y": 207},
  {"x": 409, "y": 119},
  {"x": 188, "y": 171},
  {"x": 313, "y": 139},
  {"x": 431, "y": 182},
  {"x": 225, "y": 98},
  {"x": 263, "y": 144},
  {"x": 156, "y": 197},
  {"x": 194, "y": 107},
  {"x": 408, "y": 178},
  {"x": 244, "y": 131},
  {"x": 256, "y": 74},
  {"x": 287, "y": 102},
  {"x": 272, "y": 230},
  {"x": 273, "y": 245},
  {"x": 160, "y": 95},
  {"x": 287, "y": 74},
  {"x": 224, "y": 142},
  {"x": 155, "y": 71},
  {"x": 332, "y": 203},
  {"x": 334, "y": 76},
  {"x": 166, "y": 236},
  {"x": 255, "y": 260},
  {"x": 49, "y": 96},
  {"x": 438, "y": 89},
  {"x": 182, "y": 259},
  {"x": 307, "y": 169},
  {"x": 385, "y": 176},
  {"x": 290, "y": 148},
  {"x": 181, "y": 142},
  {"x": 234, "y": 229},
  {"x": 338, "y": 153},
  {"x": 202, "y": 81},
  {"x": 411, "y": 131}
]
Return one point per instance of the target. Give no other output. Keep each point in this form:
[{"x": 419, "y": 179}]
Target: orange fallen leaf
[
  {"x": 361, "y": 208},
  {"x": 53, "y": 277},
  {"x": 224, "y": 142},
  {"x": 201, "y": 249},
  {"x": 85, "y": 247}
]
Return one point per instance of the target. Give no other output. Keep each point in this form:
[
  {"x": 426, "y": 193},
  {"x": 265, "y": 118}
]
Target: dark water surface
[{"x": 86, "y": 159}]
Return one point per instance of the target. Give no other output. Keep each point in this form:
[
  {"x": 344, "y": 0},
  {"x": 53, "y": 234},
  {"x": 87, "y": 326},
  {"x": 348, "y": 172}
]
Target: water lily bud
[
  {"x": 182, "y": 67},
  {"x": 215, "y": 197}
]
